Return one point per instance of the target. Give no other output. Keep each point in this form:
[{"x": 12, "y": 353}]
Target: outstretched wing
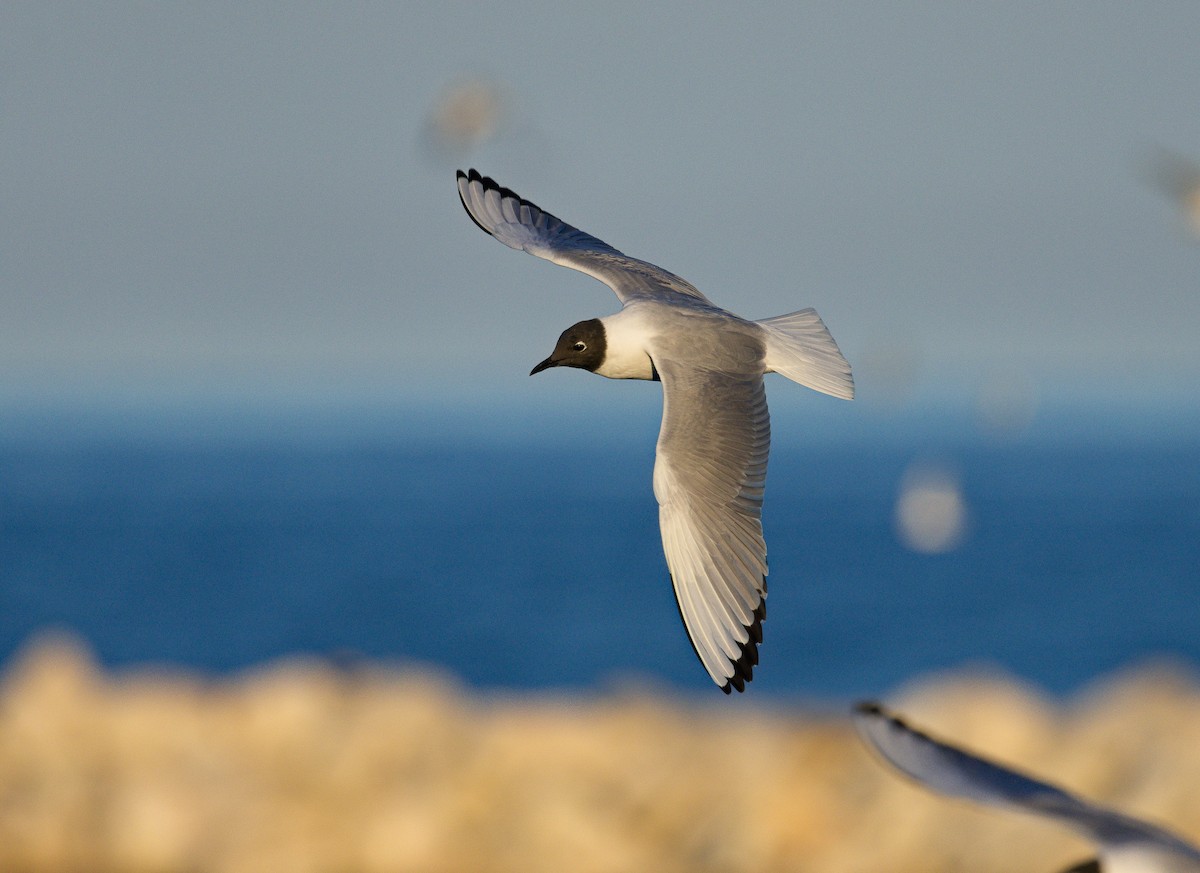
[
  {"x": 946, "y": 769},
  {"x": 709, "y": 473},
  {"x": 956, "y": 773},
  {"x": 521, "y": 225}
]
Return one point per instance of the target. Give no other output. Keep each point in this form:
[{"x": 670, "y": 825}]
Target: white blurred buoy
[{"x": 931, "y": 513}]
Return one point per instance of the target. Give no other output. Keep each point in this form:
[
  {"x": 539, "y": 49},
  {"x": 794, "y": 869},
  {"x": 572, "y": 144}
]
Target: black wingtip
[
  {"x": 876, "y": 710},
  {"x": 471, "y": 175},
  {"x": 490, "y": 184},
  {"x": 747, "y": 659},
  {"x": 1090, "y": 866}
]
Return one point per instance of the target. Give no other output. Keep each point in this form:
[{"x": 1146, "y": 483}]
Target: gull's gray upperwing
[
  {"x": 709, "y": 472},
  {"x": 954, "y": 772},
  {"x": 521, "y": 225}
]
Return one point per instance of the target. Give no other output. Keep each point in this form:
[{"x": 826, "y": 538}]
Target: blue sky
[{"x": 236, "y": 200}]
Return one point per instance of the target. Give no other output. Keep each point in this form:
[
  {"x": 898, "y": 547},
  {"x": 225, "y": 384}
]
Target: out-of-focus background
[{"x": 271, "y": 469}]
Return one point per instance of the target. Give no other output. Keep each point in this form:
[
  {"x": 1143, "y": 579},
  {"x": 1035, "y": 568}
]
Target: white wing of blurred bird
[{"x": 1125, "y": 844}]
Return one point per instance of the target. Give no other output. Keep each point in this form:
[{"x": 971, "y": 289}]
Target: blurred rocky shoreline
[{"x": 304, "y": 766}]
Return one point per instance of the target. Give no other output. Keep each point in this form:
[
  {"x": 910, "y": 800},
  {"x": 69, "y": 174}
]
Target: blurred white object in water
[
  {"x": 1126, "y": 844},
  {"x": 931, "y": 514}
]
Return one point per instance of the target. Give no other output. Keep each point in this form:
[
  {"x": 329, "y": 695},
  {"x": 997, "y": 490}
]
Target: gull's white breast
[{"x": 628, "y": 335}]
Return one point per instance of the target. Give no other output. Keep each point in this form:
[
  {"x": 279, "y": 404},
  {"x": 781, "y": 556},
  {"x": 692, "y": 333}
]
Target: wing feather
[
  {"x": 709, "y": 474},
  {"x": 522, "y": 225}
]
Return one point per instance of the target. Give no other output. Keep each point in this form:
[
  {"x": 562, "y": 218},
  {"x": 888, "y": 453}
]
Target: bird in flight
[
  {"x": 1126, "y": 844},
  {"x": 711, "y": 460}
]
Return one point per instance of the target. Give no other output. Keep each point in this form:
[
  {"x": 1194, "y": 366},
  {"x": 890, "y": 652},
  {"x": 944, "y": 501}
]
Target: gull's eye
[{"x": 580, "y": 346}]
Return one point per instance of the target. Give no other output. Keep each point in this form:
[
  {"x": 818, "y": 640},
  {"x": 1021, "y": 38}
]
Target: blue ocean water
[{"x": 515, "y": 561}]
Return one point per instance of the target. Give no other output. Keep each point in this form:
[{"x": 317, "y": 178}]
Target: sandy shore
[{"x": 300, "y": 767}]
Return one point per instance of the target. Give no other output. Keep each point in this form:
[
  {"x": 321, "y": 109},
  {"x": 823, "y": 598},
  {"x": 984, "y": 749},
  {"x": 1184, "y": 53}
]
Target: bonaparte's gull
[
  {"x": 1126, "y": 845},
  {"x": 711, "y": 460}
]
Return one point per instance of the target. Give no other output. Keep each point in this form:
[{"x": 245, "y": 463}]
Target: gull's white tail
[{"x": 799, "y": 347}]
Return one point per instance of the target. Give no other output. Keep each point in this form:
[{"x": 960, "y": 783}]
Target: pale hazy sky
[{"x": 235, "y": 197}]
